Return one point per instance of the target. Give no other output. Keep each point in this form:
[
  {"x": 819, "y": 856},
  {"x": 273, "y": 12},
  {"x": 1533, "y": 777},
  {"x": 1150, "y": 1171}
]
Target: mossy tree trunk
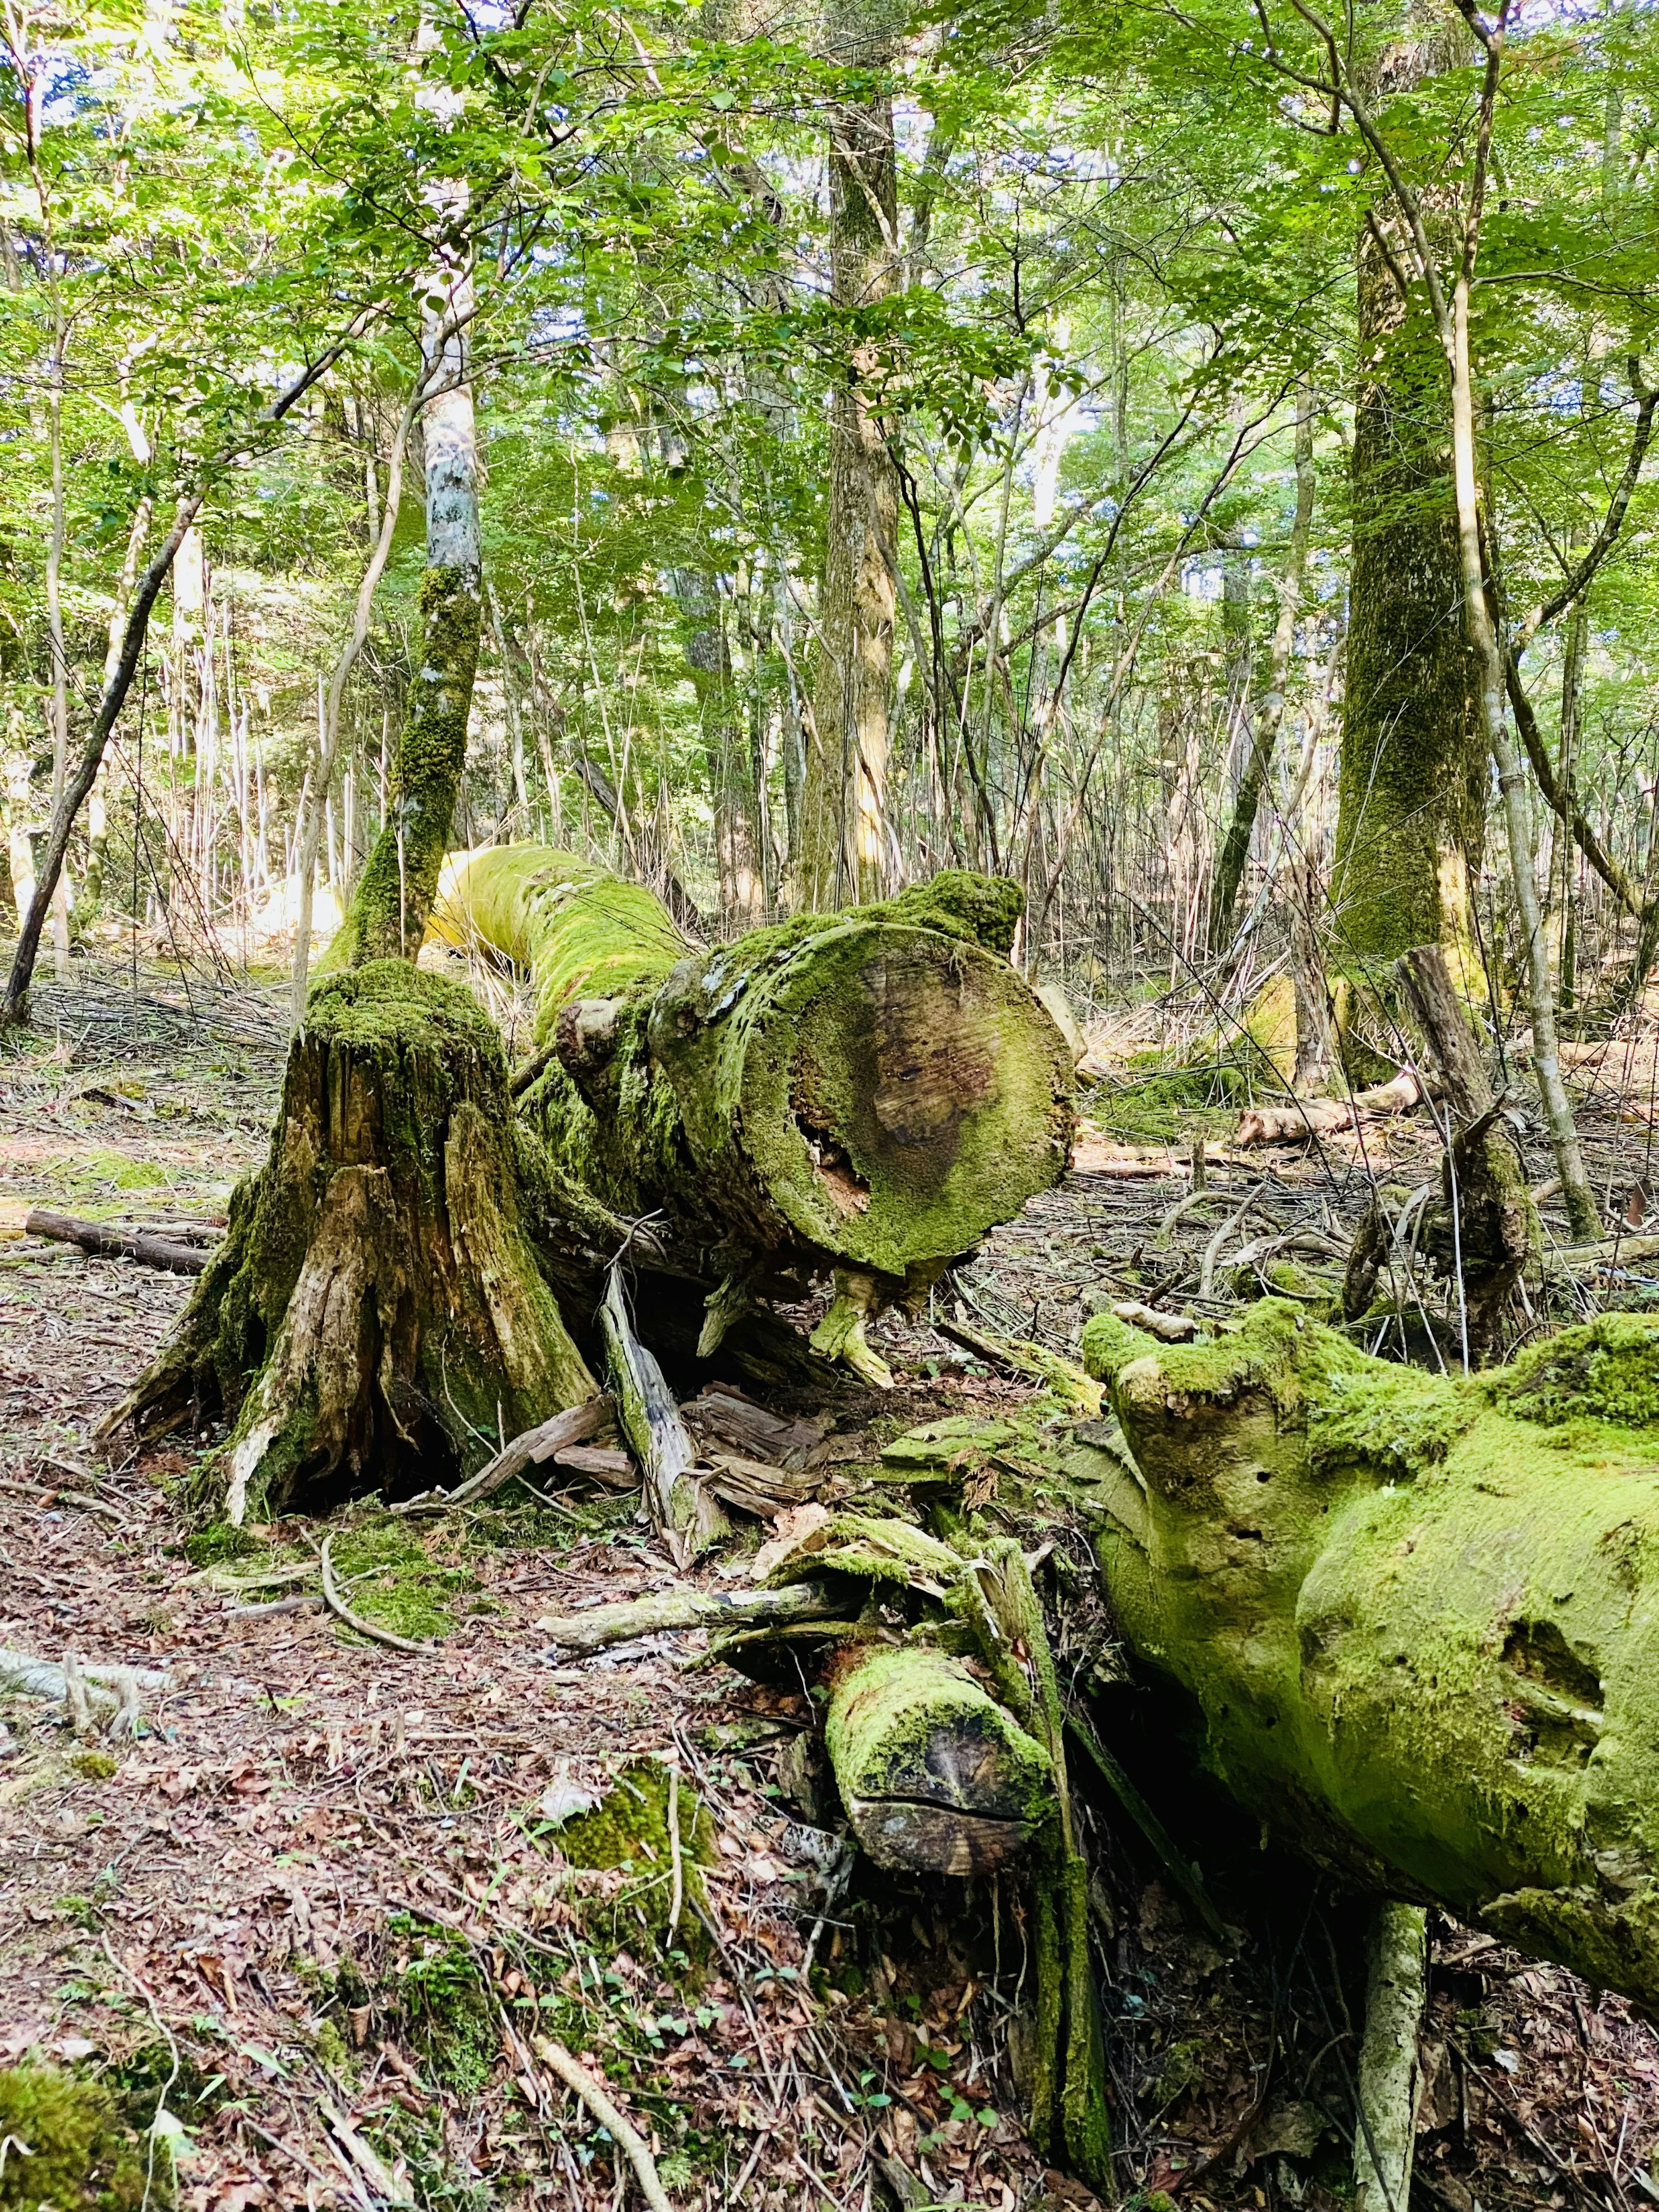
[
  {"x": 376, "y": 1316},
  {"x": 1416, "y": 1615},
  {"x": 866, "y": 1092},
  {"x": 1413, "y": 771}
]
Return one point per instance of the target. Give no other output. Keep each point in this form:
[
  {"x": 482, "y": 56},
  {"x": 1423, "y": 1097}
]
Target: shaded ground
[{"x": 318, "y": 1906}]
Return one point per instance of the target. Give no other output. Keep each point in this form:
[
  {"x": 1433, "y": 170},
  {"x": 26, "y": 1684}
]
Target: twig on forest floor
[
  {"x": 337, "y": 1606},
  {"x": 575, "y": 2075}
]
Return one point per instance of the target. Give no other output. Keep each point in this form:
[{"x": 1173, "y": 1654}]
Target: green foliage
[{"x": 450, "y": 2016}]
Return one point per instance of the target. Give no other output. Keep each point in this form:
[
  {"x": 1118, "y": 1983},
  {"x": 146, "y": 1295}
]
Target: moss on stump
[{"x": 375, "y": 1314}]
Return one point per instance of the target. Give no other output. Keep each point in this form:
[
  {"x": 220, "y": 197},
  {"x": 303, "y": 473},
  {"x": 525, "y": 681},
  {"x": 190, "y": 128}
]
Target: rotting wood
[
  {"x": 547, "y": 1440},
  {"x": 100, "y": 1238},
  {"x": 1301, "y": 1508},
  {"x": 1035, "y": 1362},
  {"x": 1304, "y": 1119},
  {"x": 868, "y": 1091},
  {"x": 1389, "y": 2076}
]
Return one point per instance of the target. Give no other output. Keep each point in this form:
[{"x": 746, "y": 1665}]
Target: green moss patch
[
  {"x": 448, "y": 2010},
  {"x": 68, "y": 2149},
  {"x": 1607, "y": 1369},
  {"x": 387, "y": 1576},
  {"x": 627, "y": 1833}
]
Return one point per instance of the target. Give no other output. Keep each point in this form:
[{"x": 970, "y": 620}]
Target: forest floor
[{"x": 312, "y": 1907}]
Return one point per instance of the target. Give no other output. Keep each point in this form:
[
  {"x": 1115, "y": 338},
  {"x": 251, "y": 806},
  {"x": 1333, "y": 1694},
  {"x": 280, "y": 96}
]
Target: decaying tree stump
[
  {"x": 866, "y": 1092},
  {"x": 1417, "y": 1614},
  {"x": 376, "y": 1311}
]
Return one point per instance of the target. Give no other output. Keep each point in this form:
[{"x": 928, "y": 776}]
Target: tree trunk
[
  {"x": 1415, "y": 1615},
  {"x": 1414, "y": 763},
  {"x": 868, "y": 1091},
  {"x": 843, "y": 845},
  {"x": 375, "y": 1314},
  {"x": 1235, "y": 846},
  {"x": 394, "y": 895}
]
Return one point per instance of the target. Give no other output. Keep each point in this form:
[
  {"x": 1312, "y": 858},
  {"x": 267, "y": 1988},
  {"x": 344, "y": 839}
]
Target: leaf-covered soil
[{"x": 318, "y": 1909}]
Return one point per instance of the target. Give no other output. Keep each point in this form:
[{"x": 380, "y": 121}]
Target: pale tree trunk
[
  {"x": 59, "y": 695},
  {"x": 725, "y": 748},
  {"x": 137, "y": 532},
  {"x": 399, "y": 880},
  {"x": 844, "y": 840}
]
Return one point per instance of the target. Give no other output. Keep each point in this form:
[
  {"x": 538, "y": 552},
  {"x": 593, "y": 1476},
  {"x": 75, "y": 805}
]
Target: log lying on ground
[
  {"x": 1418, "y": 1616},
  {"x": 376, "y": 1311},
  {"x": 867, "y": 1092},
  {"x": 172, "y": 1255},
  {"x": 1303, "y": 1119}
]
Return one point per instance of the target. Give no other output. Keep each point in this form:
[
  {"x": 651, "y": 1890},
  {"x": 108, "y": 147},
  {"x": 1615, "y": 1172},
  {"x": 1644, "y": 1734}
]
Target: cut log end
[{"x": 935, "y": 1776}]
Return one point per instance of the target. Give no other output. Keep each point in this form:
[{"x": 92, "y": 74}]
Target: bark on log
[
  {"x": 376, "y": 1312},
  {"x": 869, "y": 1091},
  {"x": 1416, "y": 1615},
  {"x": 97, "y": 1236}
]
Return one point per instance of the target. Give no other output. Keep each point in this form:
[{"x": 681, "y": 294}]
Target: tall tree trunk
[
  {"x": 726, "y": 747},
  {"x": 844, "y": 840},
  {"x": 1414, "y": 763}
]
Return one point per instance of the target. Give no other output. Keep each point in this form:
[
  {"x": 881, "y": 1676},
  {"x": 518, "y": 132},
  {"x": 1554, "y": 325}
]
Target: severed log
[
  {"x": 1304, "y": 1119},
  {"x": 1416, "y": 1613},
  {"x": 553, "y": 1438},
  {"x": 867, "y": 1092},
  {"x": 934, "y": 1774},
  {"x": 99, "y": 1237},
  {"x": 666, "y": 1610}
]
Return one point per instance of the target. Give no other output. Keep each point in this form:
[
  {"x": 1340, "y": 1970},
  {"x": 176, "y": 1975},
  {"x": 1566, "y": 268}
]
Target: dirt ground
[{"x": 313, "y": 1910}]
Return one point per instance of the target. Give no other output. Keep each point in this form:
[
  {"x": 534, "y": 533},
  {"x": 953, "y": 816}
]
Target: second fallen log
[{"x": 867, "y": 1092}]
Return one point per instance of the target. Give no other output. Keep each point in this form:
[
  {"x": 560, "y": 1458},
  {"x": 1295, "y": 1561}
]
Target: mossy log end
[
  {"x": 376, "y": 1312},
  {"x": 1419, "y": 1616},
  {"x": 935, "y": 1775},
  {"x": 869, "y": 1091}
]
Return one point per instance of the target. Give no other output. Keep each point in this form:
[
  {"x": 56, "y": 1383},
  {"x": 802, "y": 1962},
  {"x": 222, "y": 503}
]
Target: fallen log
[
  {"x": 667, "y": 1611},
  {"x": 867, "y": 1092},
  {"x": 1303, "y": 1119},
  {"x": 99, "y": 1237},
  {"x": 1416, "y": 1613}
]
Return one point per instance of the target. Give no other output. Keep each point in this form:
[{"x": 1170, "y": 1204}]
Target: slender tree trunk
[
  {"x": 59, "y": 693},
  {"x": 138, "y": 533},
  {"x": 399, "y": 880},
  {"x": 1235, "y": 846},
  {"x": 844, "y": 842}
]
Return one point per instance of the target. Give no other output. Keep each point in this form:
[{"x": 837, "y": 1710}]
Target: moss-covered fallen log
[
  {"x": 1418, "y": 1616},
  {"x": 867, "y": 1092}
]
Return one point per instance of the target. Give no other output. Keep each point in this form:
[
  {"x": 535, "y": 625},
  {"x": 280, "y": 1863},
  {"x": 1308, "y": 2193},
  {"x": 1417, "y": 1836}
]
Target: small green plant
[
  {"x": 451, "y": 2019},
  {"x": 94, "y": 1765}
]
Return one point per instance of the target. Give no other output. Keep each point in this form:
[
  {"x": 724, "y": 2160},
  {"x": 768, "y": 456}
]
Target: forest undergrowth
[{"x": 324, "y": 1908}]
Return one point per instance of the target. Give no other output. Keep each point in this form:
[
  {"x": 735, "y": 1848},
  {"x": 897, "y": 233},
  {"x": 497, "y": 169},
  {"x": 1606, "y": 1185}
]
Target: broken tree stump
[{"x": 375, "y": 1314}]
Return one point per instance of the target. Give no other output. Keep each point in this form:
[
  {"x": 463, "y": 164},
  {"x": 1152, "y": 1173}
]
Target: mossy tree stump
[{"x": 376, "y": 1316}]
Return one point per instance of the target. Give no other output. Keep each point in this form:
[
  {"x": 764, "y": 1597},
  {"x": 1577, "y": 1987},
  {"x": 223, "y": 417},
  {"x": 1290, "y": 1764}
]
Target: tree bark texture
[
  {"x": 843, "y": 838},
  {"x": 1413, "y": 770},
  {"x": 1415, "y": 1615},
  {"x": 868, "y": 1091},
  {"x": 376, "y": 1316}
]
